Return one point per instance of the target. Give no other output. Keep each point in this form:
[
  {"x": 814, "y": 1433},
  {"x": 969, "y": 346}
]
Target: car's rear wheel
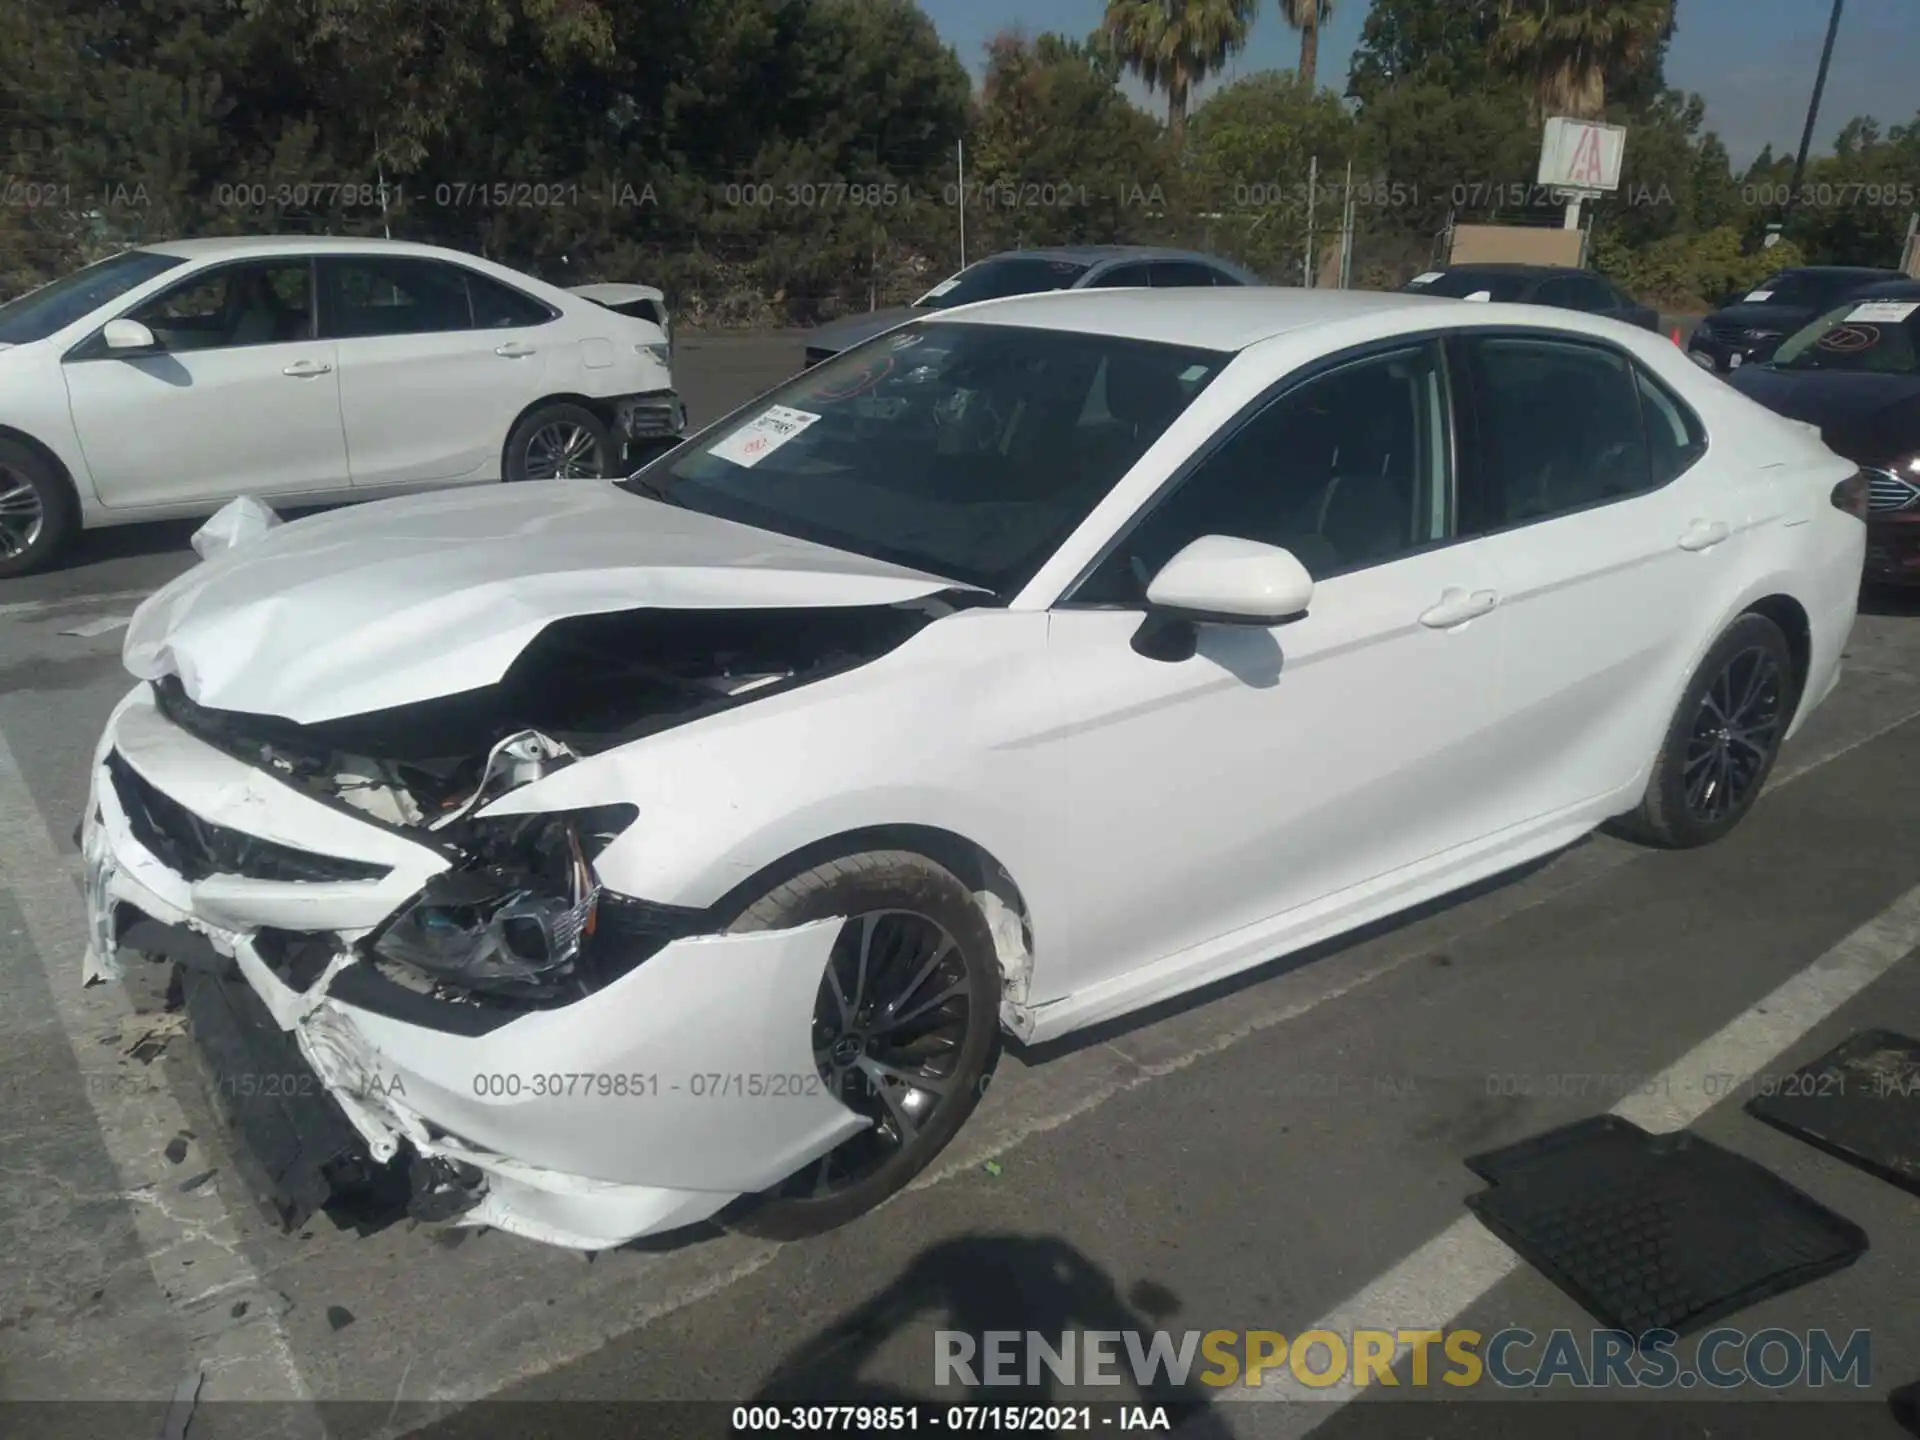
[
  {"x": 560, "y": 442},
  {"x": 1723, "y": 740},
  {"x": 38, "y": 515},
  {"x": 903, "y": 1030}
]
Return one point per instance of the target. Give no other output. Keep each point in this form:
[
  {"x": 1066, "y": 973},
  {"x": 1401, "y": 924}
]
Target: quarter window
[
  {"x": 1559, "y": 429},
  {"x": 1346, "y": 470},
  {"x": 500, "y": 307},
  {"x": 1674, "y": 437}
]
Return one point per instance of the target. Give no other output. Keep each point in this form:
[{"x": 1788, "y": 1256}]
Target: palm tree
[
  {"x": 1307, "y": 16},
  {"x": 1173, "y": 45},
  {"x": 1567, "y": 48}
]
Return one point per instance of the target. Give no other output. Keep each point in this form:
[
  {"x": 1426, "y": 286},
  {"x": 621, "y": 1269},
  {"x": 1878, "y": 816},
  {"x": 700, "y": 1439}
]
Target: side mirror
[
  {"x": 124, "y": 336},
  {"x": 1221, "y": 580}
]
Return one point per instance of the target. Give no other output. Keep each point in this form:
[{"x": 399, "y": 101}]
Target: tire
[
  {"x": 560, "y": 442},
  {"x": 39, "y": 515},
  {"x": 899, "y": 901},
  {"x": 1704, "y": 782}
]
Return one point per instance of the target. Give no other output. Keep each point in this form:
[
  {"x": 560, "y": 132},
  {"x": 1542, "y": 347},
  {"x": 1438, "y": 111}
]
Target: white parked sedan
[
  {"x": 166, "y": 380},
  {"x": 681, "y": 846}
]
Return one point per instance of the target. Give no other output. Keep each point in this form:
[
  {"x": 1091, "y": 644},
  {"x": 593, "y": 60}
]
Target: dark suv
[{"x": 1750, "y": 324}]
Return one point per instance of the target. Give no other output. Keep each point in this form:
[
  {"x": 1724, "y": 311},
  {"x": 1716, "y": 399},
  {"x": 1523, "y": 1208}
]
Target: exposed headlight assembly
[{"x": 514, "y": 917}]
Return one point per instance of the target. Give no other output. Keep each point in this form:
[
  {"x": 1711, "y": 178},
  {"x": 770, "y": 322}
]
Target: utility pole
[
  {"x": 1346, "y": 234},
  {"x": 960, "y": 150},
  {"x": 1313, "y": 188},
  {"x": 1813, "y": 112}
]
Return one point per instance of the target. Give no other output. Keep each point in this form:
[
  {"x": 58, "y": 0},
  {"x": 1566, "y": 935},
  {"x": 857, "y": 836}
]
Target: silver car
[{"x": 1028, "y": 272}]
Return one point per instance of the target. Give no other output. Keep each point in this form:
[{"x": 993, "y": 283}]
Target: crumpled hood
[{"x": 403, "y": 600}]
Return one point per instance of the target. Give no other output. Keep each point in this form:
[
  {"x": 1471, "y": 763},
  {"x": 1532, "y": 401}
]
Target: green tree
[
  {"x": 1173, "y": 45},
  {"x": 1568, "y": 50},
  {"x": 1254, "y": 147},
  {"x": 1307, "y": 16},
  {"x": 1442, "y": 43},
  {"x": 1059, "y": 154}
]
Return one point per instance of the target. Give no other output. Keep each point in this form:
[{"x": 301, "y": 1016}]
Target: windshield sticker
[
  {"x": 1192, "y": 373},
  {"x": 1758, "y": 297},
  {"x": 1428, "y": 278},
  {"x": 905, "y": 342},
  {"x": 1849, "y": 339},
  {"x": 1481, "y": 295},
  {"x": 942, "y": 288},
  {"x": 1882, "y": 312},
  {"x": 760, "y": 437}
]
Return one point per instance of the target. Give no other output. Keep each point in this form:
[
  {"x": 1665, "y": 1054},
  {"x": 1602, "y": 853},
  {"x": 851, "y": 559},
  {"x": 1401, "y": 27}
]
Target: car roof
[
  {"x": 223, "y": 247},
  {"x": 1096, "y": 254},
  {"x": 1515, "y": 267},
  {"x": 1220, "y": 319},
  {"x": 1837, "y": 270}
]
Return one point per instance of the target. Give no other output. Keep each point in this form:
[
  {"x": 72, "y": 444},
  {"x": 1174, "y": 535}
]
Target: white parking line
[
  {"x": 1452, "y": 1271},
  {"x": 190, "y": 1240}
]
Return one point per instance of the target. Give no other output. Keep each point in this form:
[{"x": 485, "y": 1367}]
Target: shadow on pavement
[
  {"x": 976, "y": 1284},
  {"x": 1888, "y": 601}
]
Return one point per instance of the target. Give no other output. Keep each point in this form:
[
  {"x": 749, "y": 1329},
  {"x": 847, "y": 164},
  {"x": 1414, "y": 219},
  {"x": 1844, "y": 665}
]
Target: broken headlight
[{"x": 515, "y": 915}]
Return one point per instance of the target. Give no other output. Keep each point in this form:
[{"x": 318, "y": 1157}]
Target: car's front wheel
[
  {"x": 903, "y": 1029},
  {"x": 1722, "y": 741},
  {"x": 560, "y": 442},
  {"x": 38, "y": 515}
]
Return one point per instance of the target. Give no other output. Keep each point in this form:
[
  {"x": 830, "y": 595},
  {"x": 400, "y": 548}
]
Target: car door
[
  {"x": 1277, "y": 768},
  {"x": 1579, "y": 472},
  {"x": 428, "y": 393},
  {"x": 240, "y": 397}
]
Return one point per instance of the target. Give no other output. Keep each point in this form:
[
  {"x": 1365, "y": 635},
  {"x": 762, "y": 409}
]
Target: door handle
[
  {"x": 1704, "y": 535},
  {"x": 1456, "y": 607},
  {"x": 307, "y": 369},
  {"x": 513, "y": 350}
]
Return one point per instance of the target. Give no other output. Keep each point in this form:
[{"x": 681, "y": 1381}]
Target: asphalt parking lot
[{"x": 1281, "y": 1154}]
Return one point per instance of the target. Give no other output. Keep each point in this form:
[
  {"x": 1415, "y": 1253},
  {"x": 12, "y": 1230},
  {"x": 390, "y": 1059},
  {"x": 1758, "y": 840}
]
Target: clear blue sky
[{"x": 1754, "y": 60}]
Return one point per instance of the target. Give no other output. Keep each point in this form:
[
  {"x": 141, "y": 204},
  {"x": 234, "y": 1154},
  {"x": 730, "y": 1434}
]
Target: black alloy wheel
[
  {"x": 1722, "y": 740},
  {"x": 904, "y": 1028},
  {"x": 1736, "y": 729},
  {"x": 895, "y": 1007}
]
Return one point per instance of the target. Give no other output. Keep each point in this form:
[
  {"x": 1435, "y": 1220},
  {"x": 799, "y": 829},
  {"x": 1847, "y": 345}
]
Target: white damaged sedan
[{"x": 608, "y": 859}]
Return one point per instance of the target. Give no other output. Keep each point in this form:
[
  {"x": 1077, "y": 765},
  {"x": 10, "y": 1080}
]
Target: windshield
[
  {"x": 1876, "y": 337},
  {"x": 39, "y": 313},
  {"x": 1459, "y": 284},
  {"x": 997, "y": 279},
  {"x": 966, "y": 451}
]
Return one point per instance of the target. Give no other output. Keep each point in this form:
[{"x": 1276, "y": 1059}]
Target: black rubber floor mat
[
  {"x": 1656, "y": 1232},
  {"x": 1859, "y": 1102},
  {"x": 1905, "y": 1405}
]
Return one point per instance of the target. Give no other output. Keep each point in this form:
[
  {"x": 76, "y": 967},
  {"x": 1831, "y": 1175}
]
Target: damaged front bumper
[
  {"x": 653, "y": 415},
  {"x": 646, "y": 1105}
]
